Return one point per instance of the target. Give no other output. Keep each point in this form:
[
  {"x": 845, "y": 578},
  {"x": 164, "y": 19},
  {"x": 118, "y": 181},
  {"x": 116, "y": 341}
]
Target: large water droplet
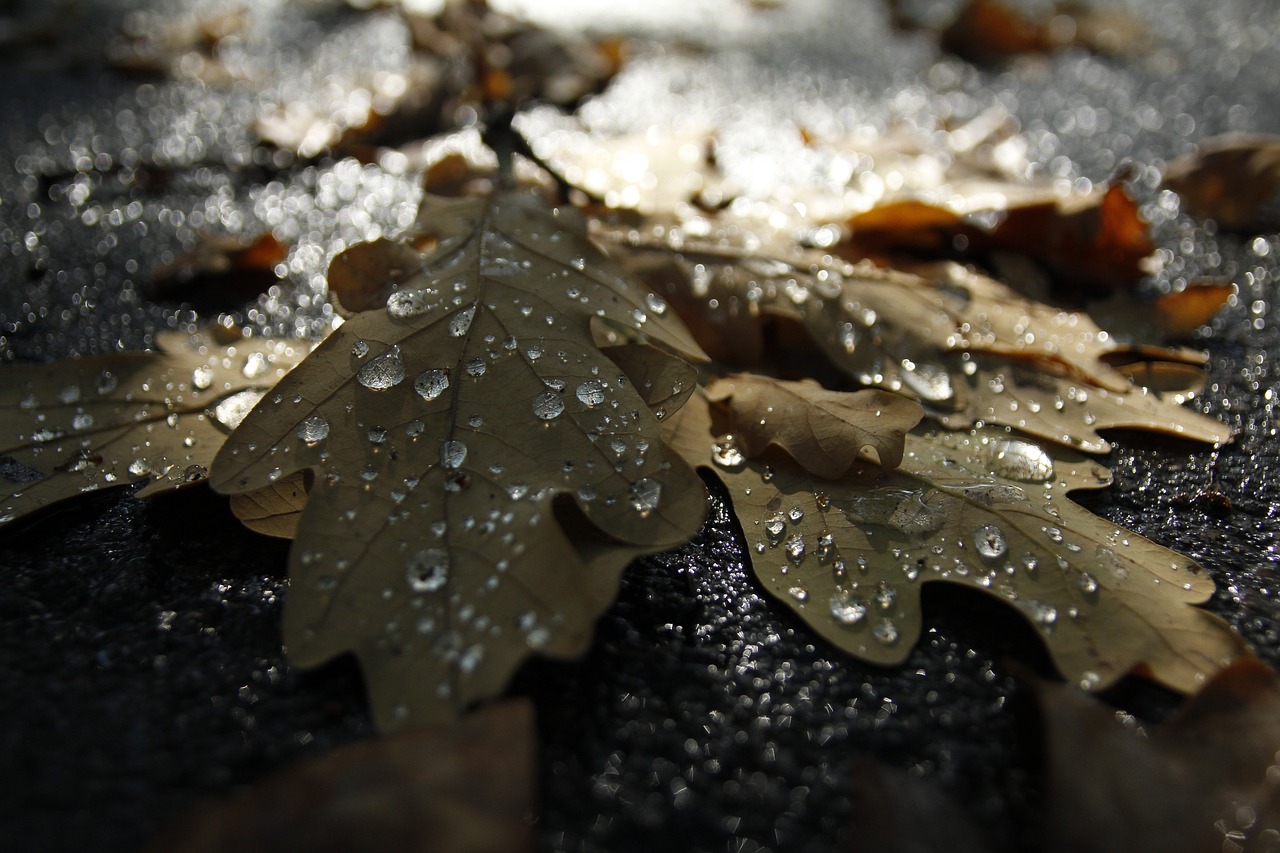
[
  {"x": 846, "y": 610},
  {"x": 548, "y": 405},
  {"x": 989, "y": 541},
  {"x": 795, "y": 548},
  {"x": 726, "y": 453},
  {"x": 428, "y": 570},
  {"x": 1020, "y": 460},
  {"x": 408, "y": 303},
  {"x": 453, "y": 454},
  {"x": 774, "y": 526},
  {"x": 313, "y": 430},
  {"x": 385, "y": 371},
  {"x": 591, "y": 393},
  {"x": 645, "y": 495},
  {"x": 202, "y": 378},
  {"x": 231, "y": 411},
  {"x": 929, "y": 381},
  {"x": 431, "y": 384}
]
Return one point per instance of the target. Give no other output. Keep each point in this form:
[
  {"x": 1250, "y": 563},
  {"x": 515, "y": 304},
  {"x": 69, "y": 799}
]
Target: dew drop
[
  {"x": 385, "y": 371},
  {"x": 1088, "y": 583},
  {"x": 201, "y": 378},
  {"x": 234, "y": 409},
  {"x": 548, "y": 405},
  {"x": 107, "y": 382},
  {"x": 774, "y": 525},
  {"x": 929, "y": 381},
  {"x": 885, "y": 596},
  {"x": 795, "y": 548},
  {"x": 431, "y": 384},
  {"x": 82, "y": 421},
  {"x": 1021, "y": 460},
  {"x": 645, "y": 494},
  {"x": 313, "y": 430},
  {"x": 591, "y": 393},
  {"x": 428, "y": 570},
  {"x": 885, "y": 632},
  {"x": 795, "y": 514},
  {"x": 989, "y": 541},
  {"x": 460, "y": 323},
  {"x": 254, "y": 366},
  {"x": 846, "y": 610},
  {"x": 139, "y": 467},
  {"x": 726, "y": 454},
  {"x": 476, "y": 367},
  {"x": 359, "y": 349},
  {"x": 799, "y": 593},
  {"x": 655, "y": 303},
  {"x": 453, "y": 454}
]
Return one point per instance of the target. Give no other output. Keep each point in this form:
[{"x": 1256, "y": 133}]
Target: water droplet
[
  {"x": 885, "y": 596},
  {"x": 82, "y": 421},
  {"x": 795, "y": 548},
  {"x": 460, "y": 323},
  {"x": 591, "y": 393},
  {"x": 795, "y": 514},
  {"x": 929, "y": 381},
  {"x": 476, "y": 367},
  {"x": 428, "y": 570},
  {"x": 201, "y": 378},
  {"x": 548, "y": 405},
  {"x": 885, "y": 632},
  {"x": 377, "y": 435},
  {"x": 645, "y": 495},
  {"x": 846, "y": 610},
  {"x": 414, "y": 428},
  {"x": 1021, "y": 460},
  {"x": 139, "y": 467},
  {"x": 359, "y": 349},
  {"x": 799, "y": 593},
  {"x": 1054, "y": 534},
  {"x": 453, "y": 454},
  {"x": 655, "y": 304},
  {"x": 385, "y": 371},
  {"x": 989, "y": 541},
  {"x": 534, "y": 352},
  {"x": 254, "y": 366},
  {"x": 431, "y": 384},
  {"x": 107, "y": 382},
  {"x": 775, "y": 525},
  {"x": 1088, "y": 583},
  {"x": 408, "y": 303},
  {"x": 313, "y": 430},
  {"x": 726, "y": 453},
  {"x": 234, "y": 409}
]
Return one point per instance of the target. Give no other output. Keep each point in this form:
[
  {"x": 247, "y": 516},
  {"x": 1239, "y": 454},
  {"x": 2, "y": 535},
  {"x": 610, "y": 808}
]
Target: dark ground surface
[{"x": 140, "y": 662}]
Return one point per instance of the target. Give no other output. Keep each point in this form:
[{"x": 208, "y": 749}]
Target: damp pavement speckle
[{"x": 140, "y": 662}]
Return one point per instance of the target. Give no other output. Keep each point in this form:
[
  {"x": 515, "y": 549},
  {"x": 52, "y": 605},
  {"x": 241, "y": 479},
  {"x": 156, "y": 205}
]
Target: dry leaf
[
  {"x": 985, "y": 509},
  {"x": 83, "y": 424},
  {"x": 1204, "y": 781},
  {"x": 461, "y": 788},
  {"x": 967, "y": 347},
  {"x": 1233, "y": 180},
  {"x": 221, "y": 268},
  {"x": 274, "y": 510},
  {"x": 990, "y": 31},
  {"x": 441, "y": 430}
]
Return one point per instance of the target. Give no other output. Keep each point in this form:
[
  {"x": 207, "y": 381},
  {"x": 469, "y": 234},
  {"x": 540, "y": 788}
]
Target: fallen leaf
[
  {"x": 467, "y": 787},
  {"x": 83, "y": 424},
  {"x": 967, "y": 347},
  {"x": 988, "y": 31},
  {"x": 1205, "y": 780},
  {"x": 220, "y": 268},
  {"x": 441, "y": 430},
  {"x": 985, "y": 509},
  {"x": 274, "y": 510},
  {"x": 1233, "y": 180}
]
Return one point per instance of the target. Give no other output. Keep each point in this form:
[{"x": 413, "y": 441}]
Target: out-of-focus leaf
[
  {"x": 1204, "y": 781},
  {"x": 221, "y": 268},
  {"x": 967, "y": 347},
  {"x": 992, "y": 31},
  {"x": 985, "y": 509},
  {"x": 1233, "y": 180},
  {"x": 77, "y": 425},
  {"x": 442, "y": 430},
  {"x": 467, "y": 787}
]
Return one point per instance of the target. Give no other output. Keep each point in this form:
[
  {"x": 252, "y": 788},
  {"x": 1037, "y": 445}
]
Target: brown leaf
[
  {"x": 1233, "y": 180},
  {"x": 221, "y": 269},
  {"x": 445, "y": 430},
  {"x": 461, "y": 788},
  {"x": 1204, "y": 781},
  {"x": 274, "y": 510},
  {"x": 985, "y": 509},
  {"x": 988, "y": 31},
  {"x": 83, "y": 424},
  {"x": 827, "y": 432}
]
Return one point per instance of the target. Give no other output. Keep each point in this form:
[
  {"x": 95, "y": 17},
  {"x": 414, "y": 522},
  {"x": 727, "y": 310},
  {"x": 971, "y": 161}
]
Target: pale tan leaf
[
  {"x": 442, "y": 430},
  {"x": 77, "y": 425},
  {"x": 827, "y": 432},
  {"x": 985, "y": 509},
  {"x": 274, "y": 510}
]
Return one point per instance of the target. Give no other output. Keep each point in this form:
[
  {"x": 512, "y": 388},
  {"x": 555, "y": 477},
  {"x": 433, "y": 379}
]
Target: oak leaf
[
  {"x": 77, "y": 425},
  {"x": 455, "y": 435},
  {"x": 984, "y": 508},
  {"x": 1233, "y": 180}
]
